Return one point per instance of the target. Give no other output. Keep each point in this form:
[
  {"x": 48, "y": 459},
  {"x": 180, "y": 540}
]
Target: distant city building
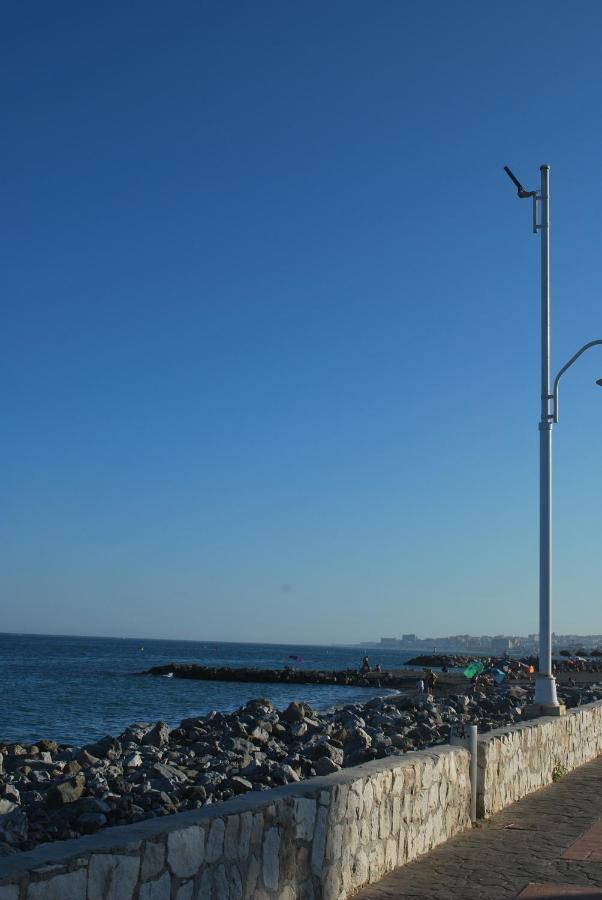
[
  {"x": 484, "y": 643},
  {"x": 501, "y": 643}
]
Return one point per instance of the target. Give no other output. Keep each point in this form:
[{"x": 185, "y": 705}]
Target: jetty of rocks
[
  {"x": 287, "y": 675},
  {"x": 452, "y": 660}
]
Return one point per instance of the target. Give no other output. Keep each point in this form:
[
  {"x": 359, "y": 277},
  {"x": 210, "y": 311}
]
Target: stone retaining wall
[
  {"x": 517, "y": 760},
  {"x": 323, "y": 839},
  {"x": 317, "y": 840}
]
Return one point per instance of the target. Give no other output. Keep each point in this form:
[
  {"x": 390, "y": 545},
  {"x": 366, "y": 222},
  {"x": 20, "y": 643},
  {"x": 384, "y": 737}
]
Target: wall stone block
[
  {"x": 215, "y": 841},
  {"x": 305, "y": 818},
  {"x": 270, "y": 865},
  {"x": 252, "y": 878},
  {"x": 69, "y": 886},
  {"x": 153, "y": 860},
  {"x": 185, "y": 891},
  {"x": 112, "y": 877},
  {"x": 156, "y": 890},
  {"x": 186, "y": 850}
]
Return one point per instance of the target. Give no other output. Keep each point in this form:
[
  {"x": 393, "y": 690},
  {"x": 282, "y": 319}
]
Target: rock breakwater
[
  {"x": 287, "y": 675},
  {"x": 453, "y": 660},
  {"x": 450, "y": 660}
]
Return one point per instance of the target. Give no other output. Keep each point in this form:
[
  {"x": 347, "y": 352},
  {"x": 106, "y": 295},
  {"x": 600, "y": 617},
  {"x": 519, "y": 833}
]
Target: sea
[{"x": 77, "y": 689}]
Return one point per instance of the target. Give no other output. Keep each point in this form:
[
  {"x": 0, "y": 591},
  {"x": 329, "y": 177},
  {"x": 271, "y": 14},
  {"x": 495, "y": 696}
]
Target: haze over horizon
[{"x": 270, "y": 347}]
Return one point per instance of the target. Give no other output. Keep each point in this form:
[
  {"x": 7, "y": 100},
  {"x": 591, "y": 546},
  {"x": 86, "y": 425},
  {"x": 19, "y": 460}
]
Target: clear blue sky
[{"x": 269, "y": 341}]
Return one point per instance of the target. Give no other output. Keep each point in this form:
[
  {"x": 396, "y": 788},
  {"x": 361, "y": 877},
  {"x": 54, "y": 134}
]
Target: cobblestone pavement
[{"x": 520, "y": 845}]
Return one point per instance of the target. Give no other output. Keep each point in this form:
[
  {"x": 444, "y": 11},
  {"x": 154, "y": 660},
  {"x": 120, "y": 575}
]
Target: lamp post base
[
  {"x": 545, "y": 690},
  {"x": 545, "y": 701},
  {"x": 537, "y": 710}
]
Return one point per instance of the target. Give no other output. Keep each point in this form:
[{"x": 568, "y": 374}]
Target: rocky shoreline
[
  {"x": 461, "y": 660},
  {"x": 54, "y": 792},
  {"x": 450, "y": 660}
]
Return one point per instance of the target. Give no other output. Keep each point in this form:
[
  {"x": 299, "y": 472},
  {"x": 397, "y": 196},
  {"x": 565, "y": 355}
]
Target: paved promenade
[{"x": 552, "y": 837}]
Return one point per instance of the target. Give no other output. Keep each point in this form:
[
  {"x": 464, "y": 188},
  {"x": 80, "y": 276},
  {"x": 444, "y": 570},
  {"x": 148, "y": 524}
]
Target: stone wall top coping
[
  {"x": 536, "y": 723},
  {"x": 127, "y": 838}
]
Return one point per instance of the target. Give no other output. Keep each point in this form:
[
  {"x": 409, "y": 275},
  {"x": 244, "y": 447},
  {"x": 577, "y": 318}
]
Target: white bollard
[
  {"x": 472, "y": 746},
  {"x": 468, "y": 739}
]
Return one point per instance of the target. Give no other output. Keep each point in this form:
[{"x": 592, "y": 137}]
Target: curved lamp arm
[{"x": 563, "y": 370}]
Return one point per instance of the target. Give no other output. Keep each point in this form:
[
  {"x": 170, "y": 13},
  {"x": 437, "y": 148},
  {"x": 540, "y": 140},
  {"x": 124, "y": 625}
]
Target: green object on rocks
[{"x": 475, "y": 668}]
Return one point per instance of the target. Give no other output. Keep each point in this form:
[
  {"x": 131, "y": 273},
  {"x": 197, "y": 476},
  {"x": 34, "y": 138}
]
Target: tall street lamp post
[{"x": 545, "y": 701}]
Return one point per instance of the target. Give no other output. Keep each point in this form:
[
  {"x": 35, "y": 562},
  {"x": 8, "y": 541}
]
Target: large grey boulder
[
  {"x": 325, "y": 766},
  {"x": 157, "y": 736},
  {"x": 106, "y": 748},
  {"x": 64, "y": 792}
]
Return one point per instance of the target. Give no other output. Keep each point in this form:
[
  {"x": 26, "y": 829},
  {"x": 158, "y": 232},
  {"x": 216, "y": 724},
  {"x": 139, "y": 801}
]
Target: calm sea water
[{"x": 77, "y": 689}]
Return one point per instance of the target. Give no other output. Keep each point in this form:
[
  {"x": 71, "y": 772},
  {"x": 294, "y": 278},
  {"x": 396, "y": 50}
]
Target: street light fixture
[{"x": 545, "y": 701}]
